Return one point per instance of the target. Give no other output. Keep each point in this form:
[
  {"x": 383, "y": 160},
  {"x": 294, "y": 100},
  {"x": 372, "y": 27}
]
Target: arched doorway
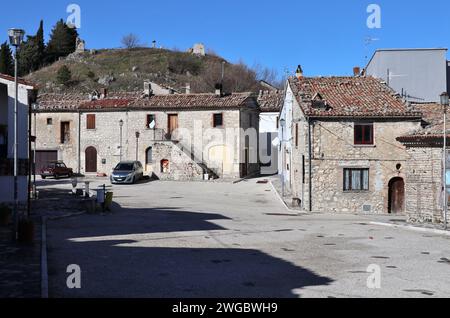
[
  {"x": 91, "y": 160},
  {"x": 396, "y": 196}
]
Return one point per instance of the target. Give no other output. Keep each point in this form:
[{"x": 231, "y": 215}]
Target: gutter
[{"x": 310, "y": 163}]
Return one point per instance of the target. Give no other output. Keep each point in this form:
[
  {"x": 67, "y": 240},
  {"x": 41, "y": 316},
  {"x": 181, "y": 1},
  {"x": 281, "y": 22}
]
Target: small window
[
  {"x": 65, "y": 132},
  {"x": 363, "y": 134},
  {"x": 151, "y": 122},
  {"x": 90, "y": 124},
  {"x": 217, "y": 120},
  {"x": 296, "y": 135},
  {"x": 49, "y": 121},
  {"x": 356, "y": 180}
]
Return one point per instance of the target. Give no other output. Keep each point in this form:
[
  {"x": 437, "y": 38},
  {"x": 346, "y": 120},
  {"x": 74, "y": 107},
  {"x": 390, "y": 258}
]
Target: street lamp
[
  {"x": 283, "y": 125},
  {"x": 445, "y": 103},
  {"x": 16, "y": 38},
  {"x": 121, "y": 127},
  {"x": 35, "y": 107},
  {"x": 138, "y": 134}
]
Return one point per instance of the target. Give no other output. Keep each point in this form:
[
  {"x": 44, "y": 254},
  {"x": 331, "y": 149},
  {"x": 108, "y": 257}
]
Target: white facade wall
[{"x": 7, "y": 97}]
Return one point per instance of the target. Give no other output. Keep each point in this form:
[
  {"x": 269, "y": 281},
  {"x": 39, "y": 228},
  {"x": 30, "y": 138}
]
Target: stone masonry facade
[
  {"x": 194, "y": 149},
  {"x": 424, "y": 185}
]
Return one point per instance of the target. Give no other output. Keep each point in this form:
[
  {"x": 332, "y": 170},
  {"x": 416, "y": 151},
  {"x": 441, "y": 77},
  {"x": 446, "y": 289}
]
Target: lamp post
[
  {"x": 137, "y": 145},
  {"x": 283, "y": 125},
  {"x": 121, "y": 127},
  {"x": 445, "y": 103},
  {"x": 16, "y": 39},
  {"x": 35, "y": 108}
]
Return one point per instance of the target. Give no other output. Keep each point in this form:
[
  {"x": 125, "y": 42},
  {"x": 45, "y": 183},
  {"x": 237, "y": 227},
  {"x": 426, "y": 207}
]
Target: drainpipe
[
  {"x": 29, "y": 161},
  {"x": 79, "y": 143},
  {"x": 310, "y": 164}
]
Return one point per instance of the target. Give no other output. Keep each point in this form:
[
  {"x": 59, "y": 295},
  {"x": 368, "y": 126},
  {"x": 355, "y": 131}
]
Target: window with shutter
[{"x": 90, "y": 121}]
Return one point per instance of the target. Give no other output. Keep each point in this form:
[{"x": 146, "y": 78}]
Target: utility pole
[
  {"x": 16, "y": 39},
  {"x": 445, "y": 104}
]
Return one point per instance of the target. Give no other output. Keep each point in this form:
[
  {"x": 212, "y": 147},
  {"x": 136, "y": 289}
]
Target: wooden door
[
  {"x": 91, "y": 160},
  {"x": 397, "y": 196},
  {"x": 173, "y": 123}
]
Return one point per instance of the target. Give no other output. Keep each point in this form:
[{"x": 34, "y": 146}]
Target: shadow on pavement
[{"x": 140, "y": 267}]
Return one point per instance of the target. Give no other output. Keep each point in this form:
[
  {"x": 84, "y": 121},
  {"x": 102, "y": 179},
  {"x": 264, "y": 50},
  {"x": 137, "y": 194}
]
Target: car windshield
[{"x": 124, "y": 167}]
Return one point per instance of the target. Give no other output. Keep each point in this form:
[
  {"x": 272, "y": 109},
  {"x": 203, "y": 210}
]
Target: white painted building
[
  {"x": 270, "y": 104},
  {"x": 7, "y": 94}
]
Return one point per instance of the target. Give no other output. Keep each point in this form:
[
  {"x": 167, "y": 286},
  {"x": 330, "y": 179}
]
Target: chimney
[
  {"x": 356, "y": 71},
  {"x": 299, "y": 72},
  {"x": 148, "y": 89},
  {"x": 188, "y": 88},
  {"x": 219, "y": 89},
  {"x": 103, "y": 93}
]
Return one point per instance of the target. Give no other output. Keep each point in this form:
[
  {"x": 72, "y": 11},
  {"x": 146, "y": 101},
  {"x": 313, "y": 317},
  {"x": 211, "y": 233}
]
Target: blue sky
[{"x": 325, "y": 36}]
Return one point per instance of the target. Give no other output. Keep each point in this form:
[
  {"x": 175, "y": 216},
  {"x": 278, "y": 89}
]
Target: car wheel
[
  {"x": 56, "y": 176},
  {"x": 70, "y": 175},
  {"x": 43, "y": 177}
]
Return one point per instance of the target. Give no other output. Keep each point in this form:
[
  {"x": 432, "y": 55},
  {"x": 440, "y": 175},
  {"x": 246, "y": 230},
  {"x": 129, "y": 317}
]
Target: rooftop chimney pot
[{"x": 299, "y": 72}]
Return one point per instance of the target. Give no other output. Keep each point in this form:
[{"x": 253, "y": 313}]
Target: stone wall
[
  {"x": 195, "y": 132},
  {"x": 423, "y": 185},
  {"x": 333, "y": 150}
]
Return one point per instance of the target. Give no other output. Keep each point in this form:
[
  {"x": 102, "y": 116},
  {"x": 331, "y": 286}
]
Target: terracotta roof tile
[
  {"x": 134, "y": 100},
  {"x": 355, "y": 97},
  {"x": 271, "y": 101},
  {"x": 433, "y": 124},
  {"x": 21, "y": 80}
]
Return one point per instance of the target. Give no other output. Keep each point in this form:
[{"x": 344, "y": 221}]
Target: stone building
[
  {"x": 26, "y": 97},
  {"x": 176, "y": 137},
  {"x": 424, "y": 178},
  {"x": 270, "y": 102},
  {"x": 339, "y": 151}
]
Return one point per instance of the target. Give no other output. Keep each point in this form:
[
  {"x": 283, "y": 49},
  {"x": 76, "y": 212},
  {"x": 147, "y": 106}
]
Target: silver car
[{"x": 127, "y": 172}]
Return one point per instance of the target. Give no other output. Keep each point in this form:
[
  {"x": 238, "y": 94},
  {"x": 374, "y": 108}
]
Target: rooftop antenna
[{"x": 367, "y": 42}]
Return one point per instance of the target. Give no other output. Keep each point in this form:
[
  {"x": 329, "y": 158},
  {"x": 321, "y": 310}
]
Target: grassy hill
[{"x": 126, "y": 70}]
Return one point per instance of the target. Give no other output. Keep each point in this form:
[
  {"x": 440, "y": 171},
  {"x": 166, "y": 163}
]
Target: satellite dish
[{"x": 152, "y": 125}]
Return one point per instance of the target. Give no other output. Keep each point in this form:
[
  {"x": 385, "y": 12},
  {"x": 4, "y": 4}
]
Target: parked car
[
  {"x": 128, "y": 172},
  {"x": 56, "y": 169}
]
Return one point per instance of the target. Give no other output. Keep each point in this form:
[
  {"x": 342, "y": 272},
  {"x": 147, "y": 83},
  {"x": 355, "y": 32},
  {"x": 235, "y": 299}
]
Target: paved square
[{"x": 175, "y": 239}]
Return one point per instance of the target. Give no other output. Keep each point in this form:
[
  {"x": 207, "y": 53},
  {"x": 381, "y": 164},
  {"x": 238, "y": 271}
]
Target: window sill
[
  {"x": 356, "y": 192},
  {"x": 364, "y": 146}
]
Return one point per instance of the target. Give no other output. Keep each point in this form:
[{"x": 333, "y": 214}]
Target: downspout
[
  {"x": 29, "y": 161},
  {"x": 79, "y": 142},
  {"x": 310, "y": 164}
]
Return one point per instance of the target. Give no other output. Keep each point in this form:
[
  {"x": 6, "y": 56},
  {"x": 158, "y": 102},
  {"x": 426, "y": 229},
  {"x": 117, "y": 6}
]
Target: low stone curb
[
  {"x": 413, "y": 228},
  {"x": 283, "y": 202}
]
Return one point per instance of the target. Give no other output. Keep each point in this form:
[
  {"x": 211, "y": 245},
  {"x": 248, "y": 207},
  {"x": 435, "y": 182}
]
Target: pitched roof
[
  {"x": 20, "y": 80},
  {"x": 350, "y": 97},
  {"x": 134, "y": 100},
  {"x": 433, "y": 125},
  {"x": 271, "y": 101}
]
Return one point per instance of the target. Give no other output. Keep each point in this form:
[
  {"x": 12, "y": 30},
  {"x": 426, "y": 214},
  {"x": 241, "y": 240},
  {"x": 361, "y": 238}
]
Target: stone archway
[{"x": 396, "y": 198}]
